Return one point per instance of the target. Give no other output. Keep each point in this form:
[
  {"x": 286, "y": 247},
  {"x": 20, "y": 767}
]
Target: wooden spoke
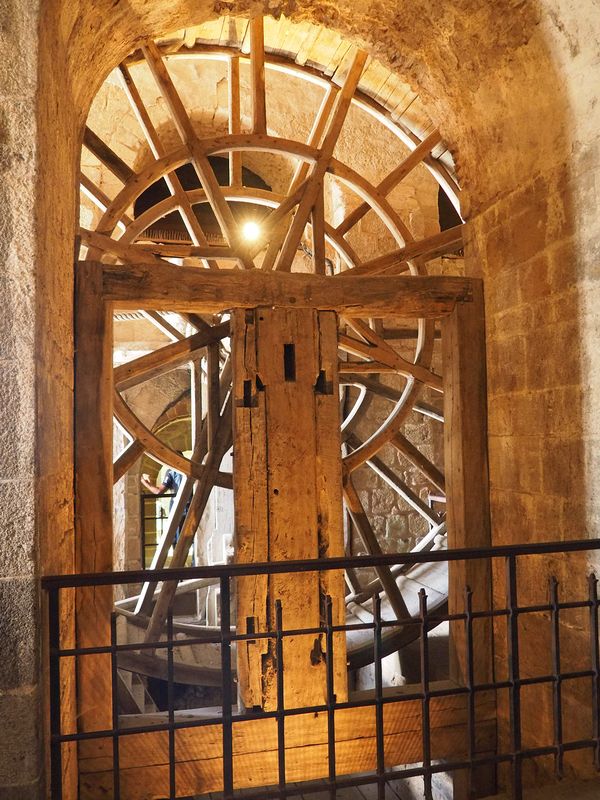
[
  {"x": 235, "y": 127},
  {"x": 380, "y": 468},
  {"x": 299, "y": 182},
  {"x": 99, "y": 198},
  {"x": 199, "y": 159},
  {"x": 448, "y": 241},
  {"x": 423, "y": 464},
  {"x": 127, "y": 459},
  {"x": 318, "y": 233},
  {"x": 219, "y": 446},
  {"x": 392, "y": 180},
  {"x": 317, "y": 173},
  {"x": 371, "y": 545},
  {"x": 257, "y": 68},
  {"x": 106, "y": 156},
  {"x": 152, "y": 364},
  {"x": 163, "y": 325},
  {"x": 174, "y": 184},
  {"x": 387, "y": 356}
]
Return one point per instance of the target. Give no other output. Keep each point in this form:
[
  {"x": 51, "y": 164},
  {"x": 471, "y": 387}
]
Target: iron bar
[
  {"x": 595, "y": 654},
  {"x": 55, "y": 700},
  {"x": 470, "y": 682},
  {"x": 115, "y": 706},
  {"x": 377, "y": 700},
  {"x": 557, "y": 683},
  {"x": 513, "y": 676},
  {"x": 425, "y": 717},
  {"x": 329, "y": 663},
  {"x": 226, "y": 718},
  {"x": 171, "y": 707},
  {"x": 280, "y": 696},
  {"x": 312, "y": 565},
  {"x": 377, "y": 659}
]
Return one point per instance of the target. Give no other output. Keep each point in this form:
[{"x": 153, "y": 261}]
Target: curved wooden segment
[
  {"x": 160, "y": 451},
  {"x": 152, "y": 364}
]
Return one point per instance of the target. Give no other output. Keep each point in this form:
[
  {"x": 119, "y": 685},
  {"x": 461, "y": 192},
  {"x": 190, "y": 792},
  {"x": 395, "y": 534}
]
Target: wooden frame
[{"x": 459, "y": 301}]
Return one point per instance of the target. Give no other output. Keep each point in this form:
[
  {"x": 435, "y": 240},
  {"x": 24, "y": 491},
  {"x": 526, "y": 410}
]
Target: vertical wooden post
[
  {"x": 288, "y": 501},
  {"x": 93, "y": 489},
  {"x": 467, "y": 491}
]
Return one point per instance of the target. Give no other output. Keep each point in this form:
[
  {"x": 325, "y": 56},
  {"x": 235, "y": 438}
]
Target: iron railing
[{"x": 425, "y": 693}]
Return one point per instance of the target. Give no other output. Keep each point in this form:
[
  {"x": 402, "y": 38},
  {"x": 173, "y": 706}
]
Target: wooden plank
[
  {"x": 298, "y": 183},
  {"x": 126, "y": 252},
  {"x": 235, "y": 157},
  {"x": 467, "y": 487},
  {"x": 106, "y": 156},
  {"x": 93, "y": 490},
  {"x": 294, "y": 352},
  {"x": 163, "y": 325},
  {"x": 318, "y": 233},
  {"x": 250, "y": 469},
  {"x": 448, "y": 241},
  {"x": 328, "y": 477},
  {"x": 257, "y": 70},
  {"x": 144, "y": 757},
  {"x": 191, "y": 289},
  {"x": 146, "y": 367}
]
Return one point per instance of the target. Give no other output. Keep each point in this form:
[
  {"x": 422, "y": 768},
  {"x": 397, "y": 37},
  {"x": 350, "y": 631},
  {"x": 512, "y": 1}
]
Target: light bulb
[{"x": 251, "y": 231}]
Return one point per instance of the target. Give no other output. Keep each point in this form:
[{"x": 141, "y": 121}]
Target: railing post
[
  {"x": 55, "y": 706},
  {"x": 514, "y": 676},
  {"x": 227, "y": 695}
]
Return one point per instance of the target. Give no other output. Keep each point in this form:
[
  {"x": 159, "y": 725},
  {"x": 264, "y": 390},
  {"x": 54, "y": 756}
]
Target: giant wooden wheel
[{"x": 293, "y": 225}]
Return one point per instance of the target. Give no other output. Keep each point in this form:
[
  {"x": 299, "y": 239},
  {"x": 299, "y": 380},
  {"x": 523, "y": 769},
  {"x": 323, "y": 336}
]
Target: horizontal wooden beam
[
  {"x": 143, "y": 759},
  {"x": 191, "y": 289}
]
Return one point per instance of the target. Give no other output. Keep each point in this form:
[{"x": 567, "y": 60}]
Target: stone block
[
  {"x": 19, "y": 632},
  {"x": 20, "y": 744},
  {"x": 17, "y": 548}
]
